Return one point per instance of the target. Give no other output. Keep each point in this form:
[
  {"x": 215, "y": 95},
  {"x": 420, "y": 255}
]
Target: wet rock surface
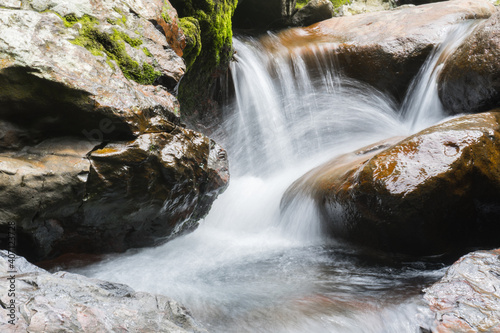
[
  {"x": 93, "y": 157},
  {"x": 433, "y": 192},
  {"x": 66, "y": 302},
  {"x": 104, "y": 60},
  {"x": 467, "y": 298},
  {"x": 66, "y": 196},
  {"x": 385, "y": 49},
  {"x": 470, "y": 80}
]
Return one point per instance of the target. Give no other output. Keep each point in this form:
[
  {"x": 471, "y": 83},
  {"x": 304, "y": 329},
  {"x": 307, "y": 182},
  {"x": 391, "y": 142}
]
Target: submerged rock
[
  {"x": 467, "y": 298},
  {"x": 470, "y": 79},
  {"x": 435, "y": 191},
  {"x": 66, "y": 302},
  {"x": 385, "y": 49}
]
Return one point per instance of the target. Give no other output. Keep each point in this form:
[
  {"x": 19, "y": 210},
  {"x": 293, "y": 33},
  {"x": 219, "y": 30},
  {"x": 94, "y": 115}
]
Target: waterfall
[
  {"x": 422, "y": 107},
  {"x": 249, "y": 269}
]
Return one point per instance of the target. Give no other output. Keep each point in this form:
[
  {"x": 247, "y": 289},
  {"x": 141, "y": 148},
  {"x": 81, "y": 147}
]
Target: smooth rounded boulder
[{"x": 433, "y": 192}]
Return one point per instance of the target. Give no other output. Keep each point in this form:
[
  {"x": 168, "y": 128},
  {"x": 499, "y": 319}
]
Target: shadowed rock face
[
  {"x": 467, "y": 298},
  {"x": 66, "y": 197},
  {"x": 93, "y": 158},
  {"x": 263, "y": 14},
  {"x": 435, "y": 191},
  {"x": 385, "y": 49},
  {"x": 66, "y": 302},
  {"x": 470, "y": 80}
]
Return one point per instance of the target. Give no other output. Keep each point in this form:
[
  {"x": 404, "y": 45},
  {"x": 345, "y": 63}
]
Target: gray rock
[
  {"x": 66, "y": 302},
  {"x": 46, "y": 70},
  {"x": 467, "y": 298},
  {"x": 315, "y": 11},
  {"x": 92, "y": 156}
]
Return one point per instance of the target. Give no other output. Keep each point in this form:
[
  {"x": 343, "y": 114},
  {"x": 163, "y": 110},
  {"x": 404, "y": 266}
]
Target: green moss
[
  {"x": 120, "y": 35},
  {"x": 71, "y": 19},
  {"x": 113, "y": 45},
  {"x": 191, "y": 28},
  {"x": 214, "y": 18},
  {"x": 146, "y": 52},
  {"x": 301, "y": 3}
]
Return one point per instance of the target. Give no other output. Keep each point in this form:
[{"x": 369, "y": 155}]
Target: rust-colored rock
[
  {"x": 433, "y": 192},
  {"x": 467, "y": 298},
  {"x": 385, "y": 49},
  {"x": 470, "y": 80}
]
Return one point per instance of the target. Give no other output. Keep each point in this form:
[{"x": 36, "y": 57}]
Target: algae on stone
[{"x": 113, "y": 45}]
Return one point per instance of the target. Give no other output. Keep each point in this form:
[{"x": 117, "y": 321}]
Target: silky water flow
[{"x": 248, "y": 268}]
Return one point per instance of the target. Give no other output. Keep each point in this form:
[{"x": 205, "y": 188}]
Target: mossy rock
[
  {"x": 112, "y": 44},
  {"x": 191, "y": 28},
  {"x": 207, "y": 60}
]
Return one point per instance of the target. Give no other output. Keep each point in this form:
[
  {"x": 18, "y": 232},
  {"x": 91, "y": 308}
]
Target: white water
[{"x": 248, "y": 269}]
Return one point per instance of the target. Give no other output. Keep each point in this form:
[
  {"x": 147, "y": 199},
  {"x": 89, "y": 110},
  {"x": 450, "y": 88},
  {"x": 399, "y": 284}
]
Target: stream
[{"x": 248, "y": 268}]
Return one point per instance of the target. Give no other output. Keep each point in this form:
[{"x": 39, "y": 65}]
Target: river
[{"x": 249, "y": 268}]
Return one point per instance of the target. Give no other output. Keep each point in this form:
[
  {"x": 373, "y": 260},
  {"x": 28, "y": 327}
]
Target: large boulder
[
  {"x": 104, "y": 59},
  {"x": 65, "y": 196},
  {"x": 66, "y": 302},
  {"x": 93, "y": 157},
  {"x": 433, "y": 192},
  {"x": 470, "y": 79},
  {"x": 385, "y": 49},
  {"x": 467, "y": 298}
]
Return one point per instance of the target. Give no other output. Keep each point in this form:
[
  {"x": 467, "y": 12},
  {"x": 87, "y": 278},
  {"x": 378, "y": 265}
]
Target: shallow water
[{"x": 248, "y": 268}]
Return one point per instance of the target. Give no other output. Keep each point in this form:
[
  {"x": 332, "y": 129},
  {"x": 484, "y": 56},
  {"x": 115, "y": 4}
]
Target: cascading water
[{"x": 249, "y": 269}]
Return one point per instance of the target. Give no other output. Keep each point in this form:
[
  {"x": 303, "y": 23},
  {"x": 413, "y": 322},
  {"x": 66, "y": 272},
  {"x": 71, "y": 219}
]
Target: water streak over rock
[
  {"x": 385, "y": 49},
  {"x": 470, "y": 80}
]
